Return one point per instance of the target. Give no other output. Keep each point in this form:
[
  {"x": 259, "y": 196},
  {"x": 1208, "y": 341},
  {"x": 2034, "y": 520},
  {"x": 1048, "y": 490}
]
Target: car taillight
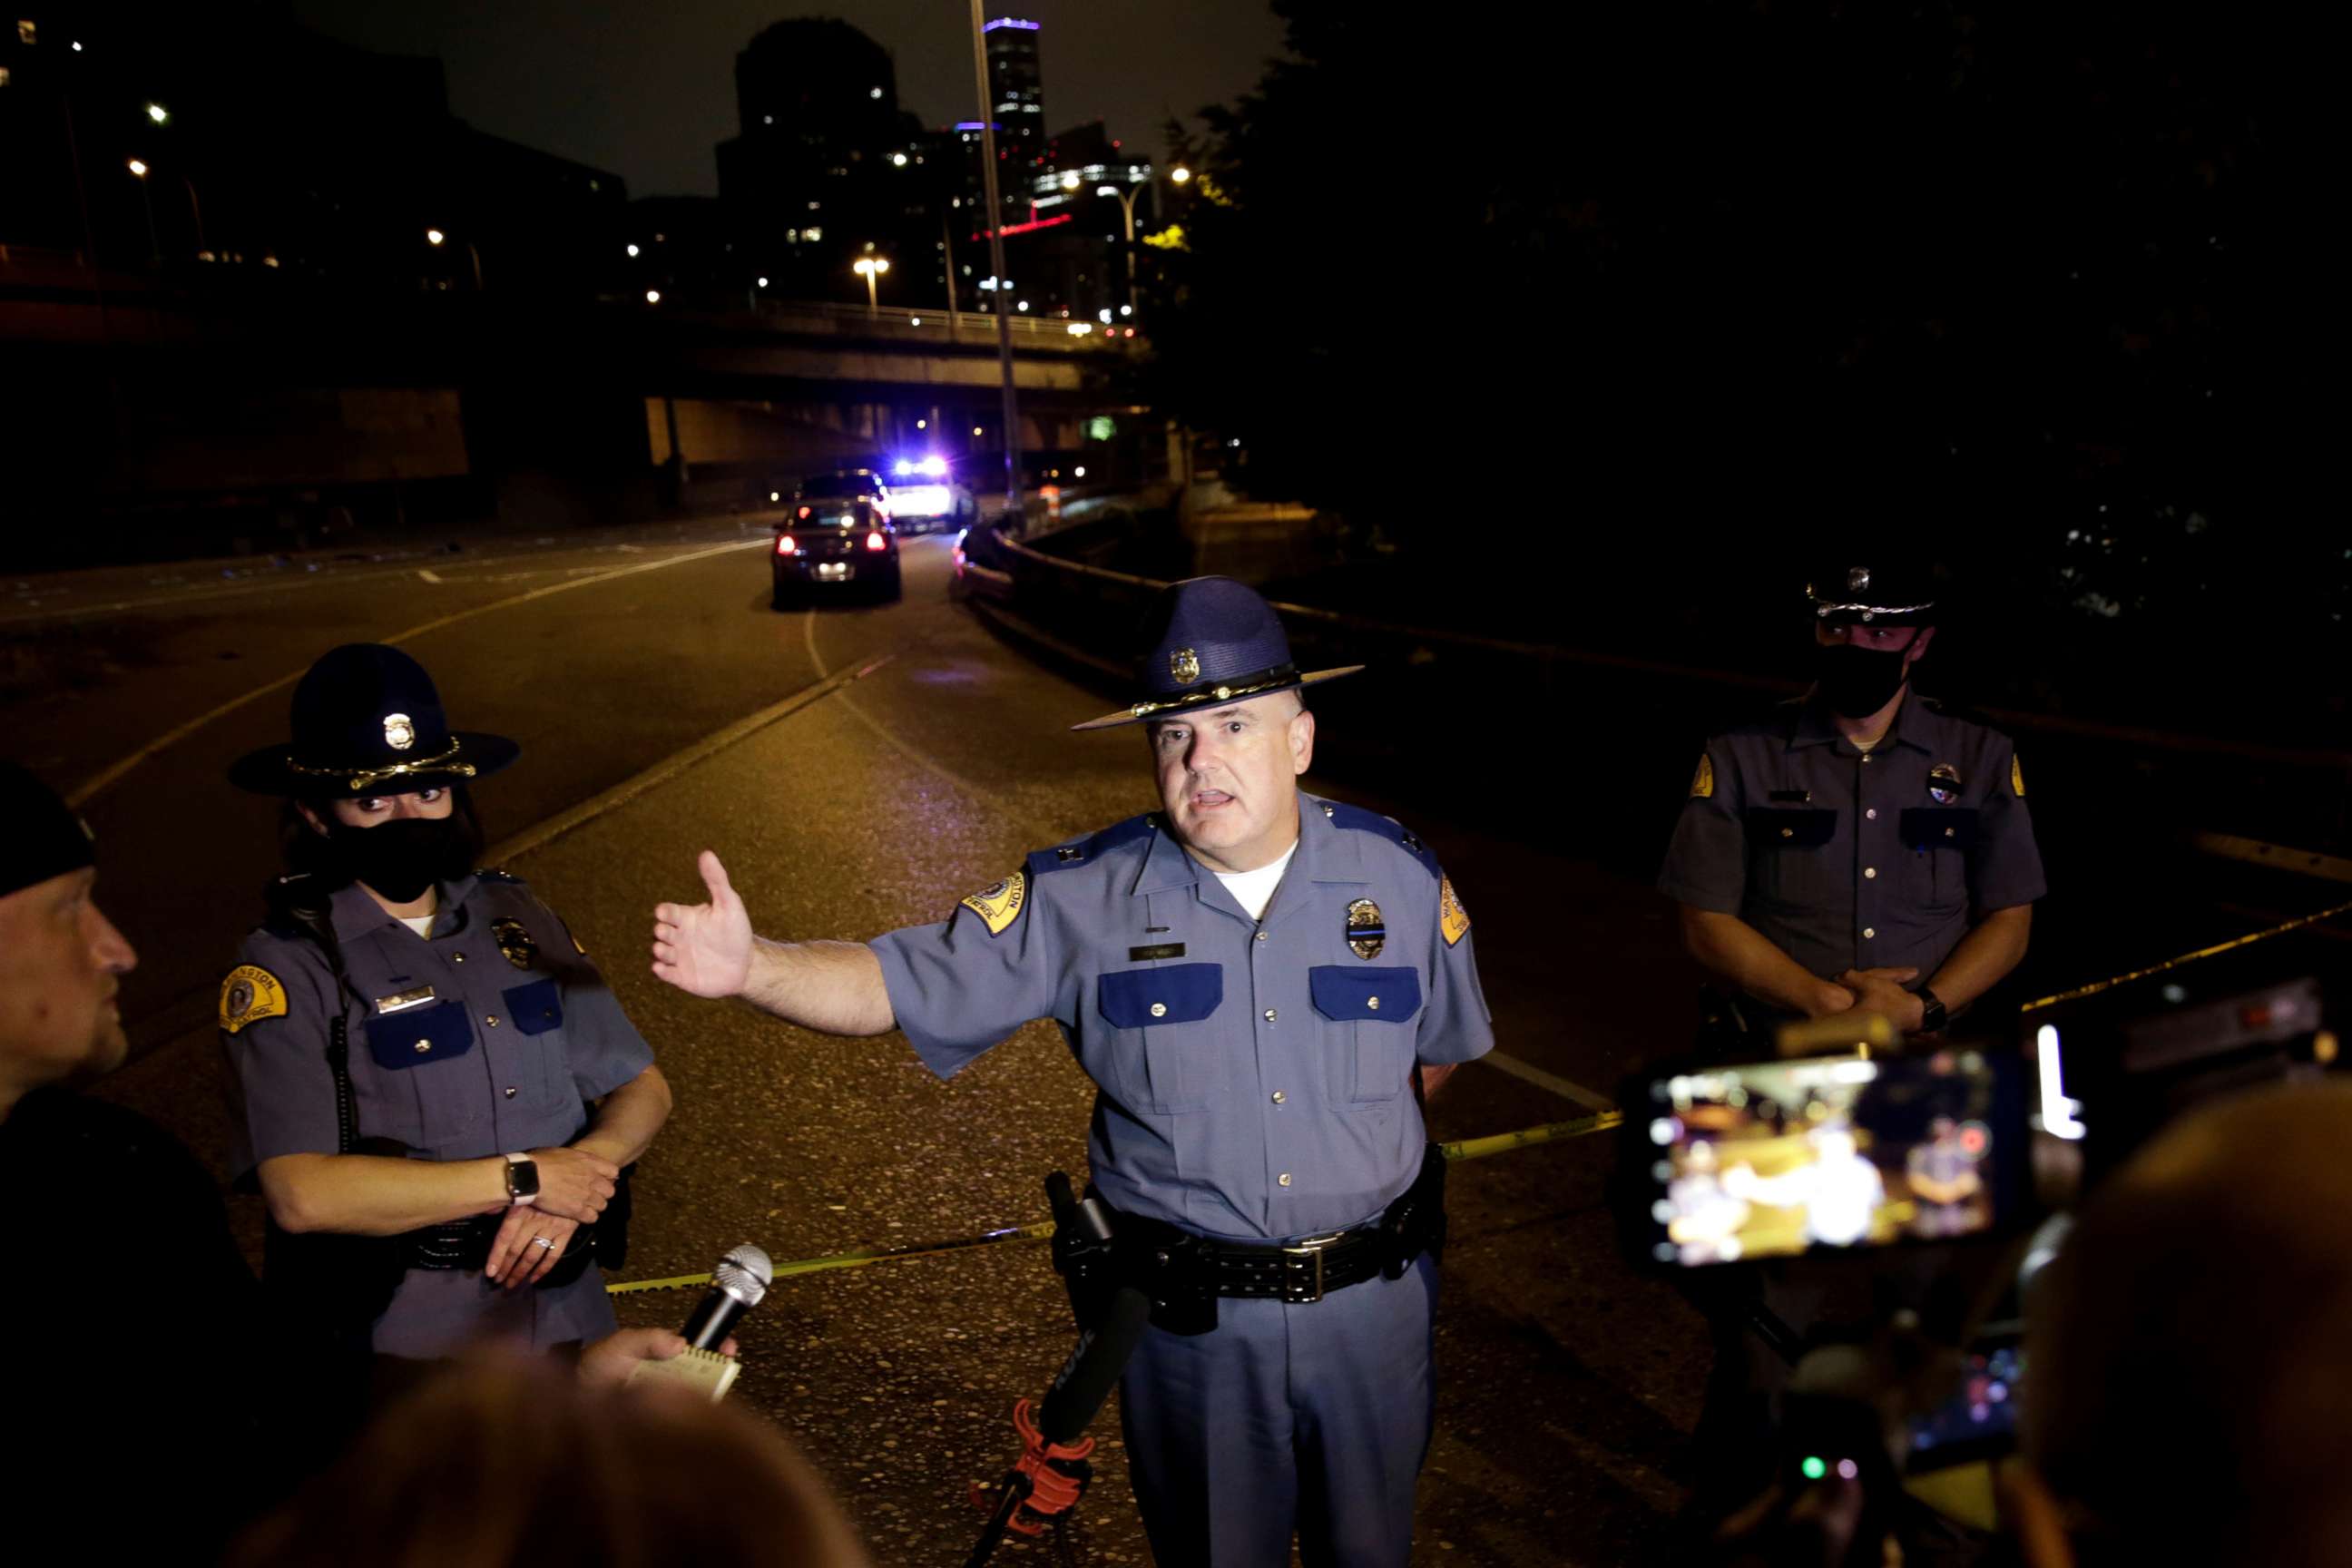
[
  {"x": 875, "y": 540},
  {"x": 785, "y": 544},
  {"x": 804, "y": 511}
]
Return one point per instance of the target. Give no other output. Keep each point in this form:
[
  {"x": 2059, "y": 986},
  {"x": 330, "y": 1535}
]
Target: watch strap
[
  {"x": 514, "y": 1197},
  {"x": 1933, "y": 1016}
]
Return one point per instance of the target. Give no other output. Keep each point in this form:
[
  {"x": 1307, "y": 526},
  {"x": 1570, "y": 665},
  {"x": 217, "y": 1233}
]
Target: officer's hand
[
  {"x": 607, "y": 1362},
  {"x": 705, "y": 949},
  {"x": 515, "y": 1257},
  {"x": 573, "y": 1183},
  {"x": 1881, "y": 991}
]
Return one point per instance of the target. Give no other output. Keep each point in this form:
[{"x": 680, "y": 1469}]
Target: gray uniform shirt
[
  {"x": 488, "y": 1037},
  {"x": 1843, "y": 860},
  {"x": 1254, "y": 1077}
]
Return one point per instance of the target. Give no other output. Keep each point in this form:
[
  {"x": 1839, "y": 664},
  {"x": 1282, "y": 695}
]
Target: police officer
[
  {"x": 1858, "y": 847},
  {"x": 1250, "y": 976},
  {"x": 419, "y": 1048}
]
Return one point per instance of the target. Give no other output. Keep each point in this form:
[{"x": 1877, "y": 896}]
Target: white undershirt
[
  {"x": 421, "y": 924},
  {"x": 1255, "y": 890}
]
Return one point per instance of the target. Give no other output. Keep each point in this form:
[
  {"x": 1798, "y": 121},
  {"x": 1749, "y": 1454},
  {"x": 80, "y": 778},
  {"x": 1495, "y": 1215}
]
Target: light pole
[
  {"x": 870, "y": 267},
  {"x": 138, "y": 167},
  {"x": 1178, "y": 174}
]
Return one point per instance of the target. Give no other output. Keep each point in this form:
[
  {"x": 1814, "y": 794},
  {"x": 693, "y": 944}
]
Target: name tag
[
  {"x": 1157, "y": 949},
  {"x": 402, "y": 1001}
]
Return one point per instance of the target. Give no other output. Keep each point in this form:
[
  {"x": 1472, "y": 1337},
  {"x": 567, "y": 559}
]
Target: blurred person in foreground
[{"x": 506, "y": 1461}]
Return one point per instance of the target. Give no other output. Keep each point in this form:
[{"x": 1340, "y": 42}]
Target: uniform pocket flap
[
  {"x": 1379, "y": 995},
  {"x": 1773, "y": 828},
  {"x": 1934, "y": 827},
  {"x": 537, "y": 1007},
  {"x": 428, "y": 1035},
  {"x": 1178, "y": 994}
]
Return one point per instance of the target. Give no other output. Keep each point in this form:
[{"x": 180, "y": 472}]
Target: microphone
[{"x": 737, "y": 1284}]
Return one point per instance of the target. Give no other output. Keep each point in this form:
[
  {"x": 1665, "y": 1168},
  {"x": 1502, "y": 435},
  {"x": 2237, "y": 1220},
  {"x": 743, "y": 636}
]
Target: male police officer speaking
[
  {"x": 1250, "y": 976},
  {"x": 1859, "y": 848}
]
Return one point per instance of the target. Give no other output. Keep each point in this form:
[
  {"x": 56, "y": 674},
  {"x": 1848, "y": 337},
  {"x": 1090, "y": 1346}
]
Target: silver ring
[{"x": 540, "y": 1241}]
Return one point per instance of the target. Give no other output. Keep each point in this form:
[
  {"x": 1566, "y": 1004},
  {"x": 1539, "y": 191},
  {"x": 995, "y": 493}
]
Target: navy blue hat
[
  {"x": 40, "y": 837},
  {"x": 1883, "y": 588},
  {"x": 1210, "y": 640},
  {"x": 367, "y": 721}
]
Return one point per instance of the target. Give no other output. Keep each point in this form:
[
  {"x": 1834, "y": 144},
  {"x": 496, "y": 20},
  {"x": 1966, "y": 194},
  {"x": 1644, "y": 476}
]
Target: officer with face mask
[
  {"x": 438, "y": 1092},
  {"x": 1859, "y": 848}
]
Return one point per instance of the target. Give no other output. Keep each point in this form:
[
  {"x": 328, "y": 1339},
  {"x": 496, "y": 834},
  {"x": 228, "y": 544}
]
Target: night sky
[{"x": 646, "y": 89}]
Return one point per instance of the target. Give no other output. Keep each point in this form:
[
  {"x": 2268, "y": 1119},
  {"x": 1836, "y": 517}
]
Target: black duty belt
[
  {"x": 464, "y": 1245},
  {"x": 1301, "y": 1271}
]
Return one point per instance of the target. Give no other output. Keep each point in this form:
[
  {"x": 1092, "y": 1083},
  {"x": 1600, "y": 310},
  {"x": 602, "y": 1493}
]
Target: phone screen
[
  {"x": 1980, "y": 1418},
  {"x": 1784, "y": 1157}
]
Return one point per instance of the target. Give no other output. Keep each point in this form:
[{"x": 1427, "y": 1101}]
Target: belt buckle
[{"x": 1313, "y": 1247}]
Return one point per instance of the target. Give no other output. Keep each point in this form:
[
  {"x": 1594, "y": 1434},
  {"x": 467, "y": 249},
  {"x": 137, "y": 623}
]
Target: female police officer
[{"x": 417, "y": 1046}]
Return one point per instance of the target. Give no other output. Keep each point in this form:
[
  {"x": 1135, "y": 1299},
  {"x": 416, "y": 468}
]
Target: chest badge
[
  {"x": 1367, "y": 932},
  {"x": 515, "y": 942},
  {"x": 1943, "y": 784}
]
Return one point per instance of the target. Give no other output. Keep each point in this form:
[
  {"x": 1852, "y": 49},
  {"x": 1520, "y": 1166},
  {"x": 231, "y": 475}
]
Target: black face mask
[
  {"x": 1855, "y": 682},
  {"x": 403, "y": 858}
]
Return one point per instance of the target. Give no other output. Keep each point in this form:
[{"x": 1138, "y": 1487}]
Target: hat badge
[
  {"x": 399, "y": 731},
  {"x": 1184, "y": 665},
  {"x": 1857, "y": 580}
]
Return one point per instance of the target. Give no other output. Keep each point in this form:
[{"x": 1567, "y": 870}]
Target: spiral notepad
[{"x": 706, "y": 1372}]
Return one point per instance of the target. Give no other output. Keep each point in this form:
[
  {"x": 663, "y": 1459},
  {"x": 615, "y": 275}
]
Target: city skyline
[{"x": 516, "y": 70}]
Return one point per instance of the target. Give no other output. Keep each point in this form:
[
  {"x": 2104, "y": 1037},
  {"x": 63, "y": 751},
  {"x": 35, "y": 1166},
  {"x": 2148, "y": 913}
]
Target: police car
[
  {"x": 831, "y": 546},
  {"x": 926, "y": 495}
]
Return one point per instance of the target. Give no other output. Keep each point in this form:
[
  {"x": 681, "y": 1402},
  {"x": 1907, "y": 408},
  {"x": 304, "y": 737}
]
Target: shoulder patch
[
  {"x": 2016, "y": 776},
  {"x": 1358, "y": 820},
  {"x": 999, "y": 906},
  {"x": 1703, "y": 781},
  {"x": 1085, "y": 852},
  {"x": 249, "y": 994},
  {"x": 1451, "y": 918}
]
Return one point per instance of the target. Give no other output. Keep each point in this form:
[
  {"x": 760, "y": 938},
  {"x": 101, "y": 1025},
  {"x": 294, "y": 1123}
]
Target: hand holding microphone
[{"x": 705, "y": 1361}]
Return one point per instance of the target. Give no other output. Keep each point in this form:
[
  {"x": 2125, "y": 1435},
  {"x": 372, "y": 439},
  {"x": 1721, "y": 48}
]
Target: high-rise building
[{"x": 1017, "y": 100}]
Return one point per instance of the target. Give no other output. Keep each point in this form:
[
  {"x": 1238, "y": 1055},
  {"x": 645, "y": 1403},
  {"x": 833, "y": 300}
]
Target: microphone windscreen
[{"x": 744, "y": 1274}]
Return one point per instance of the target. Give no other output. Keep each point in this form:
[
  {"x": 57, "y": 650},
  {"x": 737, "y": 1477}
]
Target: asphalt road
[{"x": 1567, "y": 1384}]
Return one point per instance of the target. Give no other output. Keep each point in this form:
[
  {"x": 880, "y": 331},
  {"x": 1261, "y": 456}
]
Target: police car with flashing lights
[
  {"x": 925, "y": 495},
  {"x": 834, "y": 546}
]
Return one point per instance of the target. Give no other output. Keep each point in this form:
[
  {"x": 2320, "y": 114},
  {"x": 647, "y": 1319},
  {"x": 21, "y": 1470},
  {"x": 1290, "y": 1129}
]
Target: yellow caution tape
[
  {"x": 2096, "y": 987},
  {"x": 1470, "y": 1149}
]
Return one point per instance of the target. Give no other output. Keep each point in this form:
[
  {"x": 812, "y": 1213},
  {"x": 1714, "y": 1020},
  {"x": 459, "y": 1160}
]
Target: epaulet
[
  {"x": 1085, "y": 852},
  {"x": 492, "y": 874},
  {"x": 1958, "y": 714},
  {"x": 1358, "y": 820}
]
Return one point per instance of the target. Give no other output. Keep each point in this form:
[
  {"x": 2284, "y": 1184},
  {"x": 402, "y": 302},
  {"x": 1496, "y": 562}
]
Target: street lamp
[
  {"x": 870, "y": 267},
  {"x": 1070, "y": 182},
  {"x": 434, "y": 237},
  {"x": 1180, "y": 173},
  {"x": 158, "y": 114},
  {"x": 138, "y": 167}
]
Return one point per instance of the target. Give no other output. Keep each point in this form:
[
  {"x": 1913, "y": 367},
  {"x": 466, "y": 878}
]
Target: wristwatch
[
  {"x": 1932, "y": 1016},
  {"x": 523, "y": 1179}
]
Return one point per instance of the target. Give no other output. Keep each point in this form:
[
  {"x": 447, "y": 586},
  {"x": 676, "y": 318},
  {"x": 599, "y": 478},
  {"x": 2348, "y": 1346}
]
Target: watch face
[{"x": 522, "y": 1178}]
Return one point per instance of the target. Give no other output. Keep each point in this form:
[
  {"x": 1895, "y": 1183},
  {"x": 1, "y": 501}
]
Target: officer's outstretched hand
[{"x": 705, "y": 949}]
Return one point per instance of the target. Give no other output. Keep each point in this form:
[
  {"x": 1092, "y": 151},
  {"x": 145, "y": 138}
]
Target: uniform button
[
  {"x": 492, "y": 1020},
  {"x": 1947, "y": 833},
  {"x": 1261, "y": 936},
  {"x": 1278, "y": 1097},
  {"x": 1373, "y": 1003},
  {"x": 1787, "y": 833},
  {"x": 456, "y": 957},
  {"x": 1160, "y": 1009},
  {"x": 423, "y": 1046},
  {"x": 510, "y": 1092},
  {"x": 1869, "y": 871},
  {"x": 1269, "y": 1015},
  {"x": 1284, "y": 1179},
  {"x": 1865, "y": 756},
  {"x": 1867, "y": 932},
  {"x": 1872, "y": 813}
]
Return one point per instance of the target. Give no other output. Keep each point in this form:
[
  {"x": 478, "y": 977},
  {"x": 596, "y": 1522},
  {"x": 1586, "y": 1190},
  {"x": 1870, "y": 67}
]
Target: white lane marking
[
  {"x": 548, "y": 830},
  {"x": 172, "y": 737},
  {"x": 430, "y": 576},
  {"x": 1544, "y": 1080}
]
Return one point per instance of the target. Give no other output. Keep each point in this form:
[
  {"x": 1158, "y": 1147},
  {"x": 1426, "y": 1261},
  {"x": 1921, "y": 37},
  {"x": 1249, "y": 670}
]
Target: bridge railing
[{"x": 927, "y": 324}]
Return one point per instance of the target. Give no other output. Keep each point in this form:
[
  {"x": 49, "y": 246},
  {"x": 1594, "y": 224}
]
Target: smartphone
[
  {"x": 1980, "y": 1420},
  {"x": 1779, "y": 1158}
]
